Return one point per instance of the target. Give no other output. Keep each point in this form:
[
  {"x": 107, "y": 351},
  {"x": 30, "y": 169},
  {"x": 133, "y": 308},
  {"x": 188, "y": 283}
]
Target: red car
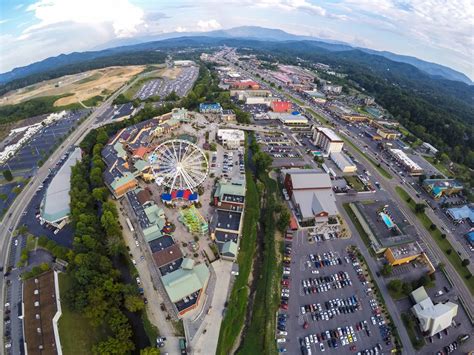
[
  {"x": 353, "y": 348},
  {"x": 305, "y": 325},
  {"x": 284, "y": 306}
]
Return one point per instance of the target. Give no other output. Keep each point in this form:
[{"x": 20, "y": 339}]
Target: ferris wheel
[{"x": 178, "y": 164}]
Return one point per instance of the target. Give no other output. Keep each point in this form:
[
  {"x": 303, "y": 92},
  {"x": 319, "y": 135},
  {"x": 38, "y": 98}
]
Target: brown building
[
  {"x": 40, "y": 307},
  {"x": 167, "y": 256}
]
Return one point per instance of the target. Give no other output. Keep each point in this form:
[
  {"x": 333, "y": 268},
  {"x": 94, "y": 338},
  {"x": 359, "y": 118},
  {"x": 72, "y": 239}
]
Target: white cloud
[
  {"x": 124, "y": 17},
  {"x": 180, "y": 29},
  {"x": 209, "y": 25},
  {"x": 443, "y": 24}
]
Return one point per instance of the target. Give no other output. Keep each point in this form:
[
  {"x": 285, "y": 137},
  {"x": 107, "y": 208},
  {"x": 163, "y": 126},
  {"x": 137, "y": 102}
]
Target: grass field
[
  {"x": 260, "y": 335},
  {"x": 443, "y": 244},
  {"x": 441, "y": 167},
  {"x": 76, "y": 333},
  {"x": 365, "y": 238},
  {"x": 410, "y": 323},
  {"x": 83, "y": 85},
  {"x": 237, "y": 305},
  {"x": 355, "y": 182}
]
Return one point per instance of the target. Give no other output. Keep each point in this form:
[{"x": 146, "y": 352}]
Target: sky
[{"x": 440, "y": 31}]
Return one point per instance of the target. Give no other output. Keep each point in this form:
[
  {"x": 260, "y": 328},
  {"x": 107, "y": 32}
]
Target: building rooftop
[
  {"x": 310, "y": 180},
  {"x": 419, "y": 295},
  {"x": 401, "y": 155},
  {"x": 231, "y": 134},
  {"x": 315, "y": 202},
  {"x": 229, "y": 249},
  {"x": 406, "y": 250},
  {"x": 161, "y": 243},
  {"x": 464, "y": 212},
  {"x": 183, "y": 282},
  {"x": 168, "y": 255},
  {"x": 40, "y": 307},
  {"x": 228, "y": 220},
  {"x": 341, "y": 160},
  {"x": 230, "y": 192},
  {"x": 56, "y": 201},
  {"x": 330, "y": 134}
]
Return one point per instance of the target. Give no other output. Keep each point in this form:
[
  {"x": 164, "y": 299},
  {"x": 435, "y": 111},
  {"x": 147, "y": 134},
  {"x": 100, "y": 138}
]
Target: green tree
[
  {"x": 102, "y": 137},
  {"x": 150, "y": 351},
  {"x": 7, "y": 174},
  {"x": 100, "y": 194},
  {"x": 3, "y": 197},
  {"x": 283, "y": 220},
  {"x": 386, "y": 270},
  {"x": 96, "y": 177},
  {"x": 262, "y": 162},
  {"x": 420, "y": 208},
  {"x": 134, "y": 303},
  {"x": 465, "y": 262},
  {"x": 407, "y": 288}
]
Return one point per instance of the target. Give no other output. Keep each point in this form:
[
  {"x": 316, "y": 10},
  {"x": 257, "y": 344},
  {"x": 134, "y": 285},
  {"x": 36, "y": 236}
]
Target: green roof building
[
  {"x": 184, "y": 282},
  {"x": 229, "y": 250},
  {"x": 151, "y": 233}
]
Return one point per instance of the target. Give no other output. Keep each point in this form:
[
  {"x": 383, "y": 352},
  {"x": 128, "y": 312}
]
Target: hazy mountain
[{"x": 243, "y": 32}]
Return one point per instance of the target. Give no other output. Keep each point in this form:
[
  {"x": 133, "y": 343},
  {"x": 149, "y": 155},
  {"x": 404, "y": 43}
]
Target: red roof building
[{"x": 281, "y": 106}]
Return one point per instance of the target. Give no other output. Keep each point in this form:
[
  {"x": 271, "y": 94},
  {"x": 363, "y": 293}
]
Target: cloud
[
  {"x": 209, "y": 25},
  {"x": 443, "y": 24},
  {"x": 124, "y": 17},
  {"x": 180, "y": 29}
]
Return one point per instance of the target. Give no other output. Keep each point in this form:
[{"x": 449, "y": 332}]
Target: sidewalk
[{"x": 205, "y": 339}]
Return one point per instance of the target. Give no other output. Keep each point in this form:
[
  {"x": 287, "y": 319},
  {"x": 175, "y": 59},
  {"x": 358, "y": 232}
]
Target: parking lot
[
  {"x": 228, "y": 164},
  {"x": 162, "y": 87},
  {"x": 329, "y": 303}
]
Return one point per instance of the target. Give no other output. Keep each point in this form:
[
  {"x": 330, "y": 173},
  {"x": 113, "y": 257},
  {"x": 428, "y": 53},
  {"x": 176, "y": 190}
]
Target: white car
[
  {"x": 136, "y": 243},
  {"x": 281, "y": 340},
  {"x": 138, "y": 280}
]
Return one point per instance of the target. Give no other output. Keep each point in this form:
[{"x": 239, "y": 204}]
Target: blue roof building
[
  {"x": 210, "y": 108},
  {"x": 459, "y": 214}
]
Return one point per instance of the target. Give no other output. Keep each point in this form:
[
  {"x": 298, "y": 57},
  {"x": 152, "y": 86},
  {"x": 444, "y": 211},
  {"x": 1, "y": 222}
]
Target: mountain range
[{"x": 244, "y": 32}]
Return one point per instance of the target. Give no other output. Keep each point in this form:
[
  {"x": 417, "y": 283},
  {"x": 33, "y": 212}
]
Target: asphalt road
[{"x": 15, "y": 211}]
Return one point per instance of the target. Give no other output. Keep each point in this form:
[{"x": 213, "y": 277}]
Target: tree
[
  {"x": 3, "y": 197},
  {"x": 420, "y": 208},
  {"x": 102, "y": 137},
  {"x": 7, "y": 174},
  {"x": 150, "y": 351},
  {"x": 407, "y": 288},
  {"x": 395, "y": 286},
  {"x": 134, "y": 303},
  {"x": 433, "y": 226},
  {"x": 466, "y": 262},
  {"x": 262, "y": 162},
  {"x": 387, "y": 270},
  {"x": 283, "y": 220},
  {"x": 100, "y": 194}
]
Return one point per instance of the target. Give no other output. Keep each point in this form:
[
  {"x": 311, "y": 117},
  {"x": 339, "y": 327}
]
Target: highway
[{"x": 13, "y": 215}]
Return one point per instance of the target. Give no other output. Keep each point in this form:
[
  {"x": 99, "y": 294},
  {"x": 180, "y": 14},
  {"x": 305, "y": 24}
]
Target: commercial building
[
  {"x": 244, "y": 84},
  {"x": 432, "y": 318},
  {"x": 402, "y": 254},
  {"x": 388, "y": 133},
  {"x": 231, "y": 138},
  {"x": 316, "y": 96},
  {"x": 409, "y": 165},
  {"x": 343, "y": 162},
  {"x": 210, "y": 108},
  {"x": 311, "y": 193},
  {"x": 183, "y": 63},
  {"x": 460, "y": 214},
  {"x": 229, "y": 197},
  {"x": 55, "y": 208},
  {"x": 327, "y": 140},
  {"x": 288, "y": 119},
  {"x": 41, "y": 308},
  {"x": 438, "y": 188},
  {"x": 281, "y": 106},
  {"x": 429, "y": 148},
  {"x": 228, "y": 115},
  {"x": 242, "y": 95},
  {"x": 333, "y": 89},
  {"x": 186, "y": 285}
]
